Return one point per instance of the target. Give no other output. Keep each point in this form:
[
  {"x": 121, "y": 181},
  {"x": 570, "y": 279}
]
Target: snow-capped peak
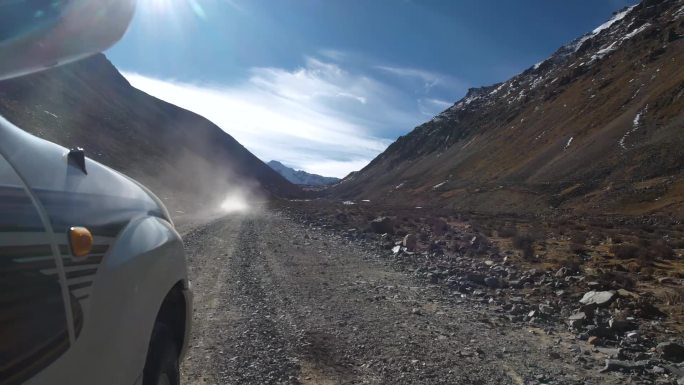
[{"x": 618, "y": 16}]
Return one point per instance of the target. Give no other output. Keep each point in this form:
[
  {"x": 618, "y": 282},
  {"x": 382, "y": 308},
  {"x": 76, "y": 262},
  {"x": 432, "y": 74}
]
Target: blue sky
[{"x": 326, "y": 85}]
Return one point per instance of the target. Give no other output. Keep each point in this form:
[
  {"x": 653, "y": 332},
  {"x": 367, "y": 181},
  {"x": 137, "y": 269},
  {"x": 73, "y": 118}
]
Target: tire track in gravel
[
  {"x": 208, "y": 250},
  {"x": 263, "y": 351},
  {"x": 237, "y": 337}
]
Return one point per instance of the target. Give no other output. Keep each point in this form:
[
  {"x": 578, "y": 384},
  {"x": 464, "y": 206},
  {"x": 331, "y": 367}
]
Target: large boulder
[
  {"x": 671, "y": 351},
  {"x": 598, "y": 298},
  {"x": 382, "y": 225}
]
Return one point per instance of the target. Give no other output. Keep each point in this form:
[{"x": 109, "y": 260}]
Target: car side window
[{"x": 33, "y": 323}]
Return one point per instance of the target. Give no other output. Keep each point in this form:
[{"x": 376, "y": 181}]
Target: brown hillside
[{"x": 596, "y": 127}]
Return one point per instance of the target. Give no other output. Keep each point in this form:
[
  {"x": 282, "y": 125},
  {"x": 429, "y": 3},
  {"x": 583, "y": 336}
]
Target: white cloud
[
  {"x": 431, "y": 106},
  {"x": 319, "y": 118},
  {"x": 430, "y": 79}
]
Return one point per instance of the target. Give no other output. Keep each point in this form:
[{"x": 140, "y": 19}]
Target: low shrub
[
  {"x": 572, "y": 264},
  {"x": 675, "y": 296},
  {"x": 615, "y": 280},
  {"x": 577, "y": 248},
  {"x": 507, "y": 232},
  {"x": 677, "y": 244},
  {"x": 579, "y": 238},
  {"x": 661, "y": 250},
  {"x": 625, "y": 251},
  {"x": 524, "y": 243}
]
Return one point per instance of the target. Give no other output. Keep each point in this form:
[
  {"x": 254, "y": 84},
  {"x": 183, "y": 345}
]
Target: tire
[{"x": 161, "y": 367}]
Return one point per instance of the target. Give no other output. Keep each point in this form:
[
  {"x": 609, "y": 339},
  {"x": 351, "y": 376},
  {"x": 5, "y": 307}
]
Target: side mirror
[{"x": 39, "y": 34}]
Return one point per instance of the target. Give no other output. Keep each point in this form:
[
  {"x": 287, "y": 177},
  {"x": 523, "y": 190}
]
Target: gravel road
[{"x": 278, "y": 303}]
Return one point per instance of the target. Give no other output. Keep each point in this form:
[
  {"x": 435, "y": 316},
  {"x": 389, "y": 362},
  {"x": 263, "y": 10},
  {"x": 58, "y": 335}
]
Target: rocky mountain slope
[
  {"x": 597, "y": 127},
  {"x": 183, "y": 157},
  {"x": 301, "y": 177}
]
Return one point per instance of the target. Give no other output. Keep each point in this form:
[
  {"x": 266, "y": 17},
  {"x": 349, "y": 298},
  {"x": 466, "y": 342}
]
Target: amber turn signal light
[{"x": 81, "y": 241}]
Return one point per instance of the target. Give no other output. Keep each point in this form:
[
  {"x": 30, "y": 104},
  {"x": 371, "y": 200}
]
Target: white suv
[{"x": 93, "y": 277}]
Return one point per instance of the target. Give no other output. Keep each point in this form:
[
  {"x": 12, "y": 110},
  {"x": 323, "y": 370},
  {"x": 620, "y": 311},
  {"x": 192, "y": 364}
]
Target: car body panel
[
  {"x": 33, "y": 323},
  {"x": 141, "y": 267},
  {"x": 114, "y": 294}
]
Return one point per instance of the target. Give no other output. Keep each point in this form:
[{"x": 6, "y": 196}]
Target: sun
[
  {"x": 174, "y": 8},
  {"x": 158, "y": 5}
]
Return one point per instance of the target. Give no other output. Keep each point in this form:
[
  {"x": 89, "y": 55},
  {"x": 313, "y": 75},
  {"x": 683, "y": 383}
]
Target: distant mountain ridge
[
  {"x": 300, "y": 177},
  {"x": 595, "y": 128}
]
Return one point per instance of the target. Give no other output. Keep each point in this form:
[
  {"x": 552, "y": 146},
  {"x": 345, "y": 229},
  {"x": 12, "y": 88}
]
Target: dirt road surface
[{"x": 280, "y": 303}]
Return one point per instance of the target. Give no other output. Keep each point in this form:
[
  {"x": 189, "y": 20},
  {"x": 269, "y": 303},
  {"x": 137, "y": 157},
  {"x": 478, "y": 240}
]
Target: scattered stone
[
  {"x": 658, "y": 370},
  {"x": 517, "y": 309},
  {"x": 615, "y": 323},
  {"x": 622, "y": 326},
  {"x": 476, "y": 278},
  {"x": 598, "y": 298},
  {"x": 599, "y": 331},
  {"x": 628, "y": 294},
  {"x": 493, "y": 282},
  {"x": 546, "y": 310},
  {"x": 382, "y": 225},
  {"x": 627, "y": 366},
  {"x": 611, "y": 352},
  {"x": 676, "y": 370},
  {"x": 577, "y": 320},
  {"x": 671, "y": 351}
]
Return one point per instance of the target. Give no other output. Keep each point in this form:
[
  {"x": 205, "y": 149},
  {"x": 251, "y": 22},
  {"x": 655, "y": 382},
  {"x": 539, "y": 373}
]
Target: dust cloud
[
  {"x": 236, "y": 202},
  {"x": 194, "y": 189}
]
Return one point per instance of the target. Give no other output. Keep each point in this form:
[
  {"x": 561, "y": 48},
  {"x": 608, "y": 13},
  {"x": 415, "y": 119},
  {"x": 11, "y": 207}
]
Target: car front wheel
[{"x": 161, "y": 367}]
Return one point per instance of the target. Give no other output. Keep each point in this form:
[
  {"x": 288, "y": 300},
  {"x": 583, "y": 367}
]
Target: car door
[{"x": 34, "y": 328}]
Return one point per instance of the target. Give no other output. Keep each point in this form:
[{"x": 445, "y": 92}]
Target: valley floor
[{"x": 280, "y": 303}]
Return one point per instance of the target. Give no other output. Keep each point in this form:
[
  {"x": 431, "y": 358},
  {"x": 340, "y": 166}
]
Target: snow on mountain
[{"x": 300, "y": 177}]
